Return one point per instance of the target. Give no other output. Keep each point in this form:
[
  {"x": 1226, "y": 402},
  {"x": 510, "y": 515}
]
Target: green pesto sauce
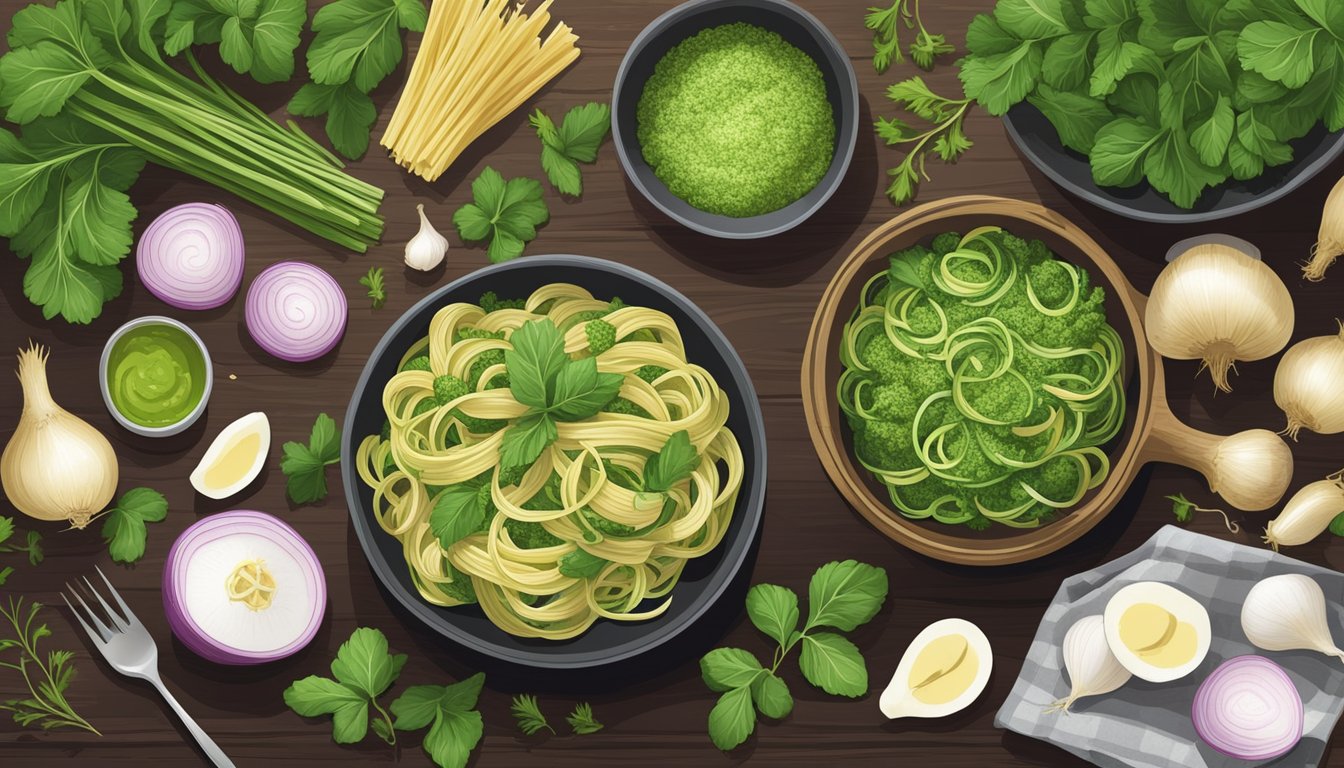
[
  {"x": 735, "y": 121},
  {"x": 156, "y": 375}
]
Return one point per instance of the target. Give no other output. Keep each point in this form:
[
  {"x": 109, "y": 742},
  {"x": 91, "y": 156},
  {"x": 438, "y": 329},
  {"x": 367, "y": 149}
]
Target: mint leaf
[
  {"x": 732, "y": 720},
  {"x": 505, "y": 213},
  {"x": 526, "y": 439},
  {"x": 774, "y": 610},
  {"x": 673, "y": 463},
  {"x": 459, "y": 512},
  {"x": 771, "y": 695},
  {"x": 833, "y": 664},
  {"x": 727, "y": 668},
  {"x": 581, "y": 392},
  {"x": 124, "y": 528},
  {"x": 845, "y": 594},
  {"x": 535, "y": 360},
  {"x": 583, "y": 131}
]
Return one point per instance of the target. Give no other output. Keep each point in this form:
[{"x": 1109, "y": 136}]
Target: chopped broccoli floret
[
  {"x": 623, "y": 406},
  {"x": 448, "y": 388},
  {"x": 417, "y": 363},
  {"x": 607, "y": 527},
  {"x": 601, "y": 336},
  {"x": 650, "y": 373},
  {"x": 490, "y": 302},
  {"x": 530, "y": 535},
  {"x": 462, "y": 588}
]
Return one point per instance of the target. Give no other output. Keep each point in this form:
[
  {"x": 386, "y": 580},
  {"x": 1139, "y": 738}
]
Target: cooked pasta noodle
[
  {"x": 586, "y": 530},
  {"x": 478, "y": 61}
]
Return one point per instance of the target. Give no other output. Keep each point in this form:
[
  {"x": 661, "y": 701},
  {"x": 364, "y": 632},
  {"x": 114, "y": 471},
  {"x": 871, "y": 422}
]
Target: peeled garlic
[
  {"x": 1306, "y": 385},
  {"x": 426, "y": 250},
  {"x": 1093, "y": 669},
  {"x": 1216, "y": 304},
  {"x": 1308, "y": 513},
  {"x": 1287, "y": 613}
]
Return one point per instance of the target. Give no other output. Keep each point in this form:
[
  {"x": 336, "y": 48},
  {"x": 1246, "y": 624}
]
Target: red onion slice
[
  {"x": 296, "y": 311},
  {"x": 191, "y": 256},
  {"x": 1249, "y": 709},
  {"x": 195, "y": 592}
]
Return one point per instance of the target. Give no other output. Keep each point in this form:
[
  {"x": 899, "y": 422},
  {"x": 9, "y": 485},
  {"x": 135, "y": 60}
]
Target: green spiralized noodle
[
  {"x": 580, "y": 496},
  {"x": 962, "y": 398}
]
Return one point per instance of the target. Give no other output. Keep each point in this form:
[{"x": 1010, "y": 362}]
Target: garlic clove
[
  {"x": 1288, "y": 613},
  {"x": 1092, "y": 668},
  {"x": 427, "y": 249},
  {"x": 1307, "y": 514}
]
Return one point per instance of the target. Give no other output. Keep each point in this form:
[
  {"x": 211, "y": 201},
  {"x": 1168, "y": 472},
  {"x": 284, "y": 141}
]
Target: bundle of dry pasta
[{"x": 478, "y": 61}]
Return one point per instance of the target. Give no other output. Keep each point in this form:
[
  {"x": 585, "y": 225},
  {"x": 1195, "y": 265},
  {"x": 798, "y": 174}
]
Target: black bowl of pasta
[{"x": 557, "y": 462}]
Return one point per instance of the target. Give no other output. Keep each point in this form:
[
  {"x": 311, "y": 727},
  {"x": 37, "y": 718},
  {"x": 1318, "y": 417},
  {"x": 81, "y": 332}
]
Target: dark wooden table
[{"x": 762, "y": 294}]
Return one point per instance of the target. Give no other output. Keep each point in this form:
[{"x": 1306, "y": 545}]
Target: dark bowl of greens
[
  {"x": 736, "y": 118},
  {"x": 705, "y": 579}
]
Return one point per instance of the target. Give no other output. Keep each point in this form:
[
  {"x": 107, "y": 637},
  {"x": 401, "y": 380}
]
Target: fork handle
[{"x": 207, "y": 744}]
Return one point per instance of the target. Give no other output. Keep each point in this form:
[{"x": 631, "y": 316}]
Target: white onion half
[
  {"x": 191, "y": 256},
  {"x": 296, "y": 311},
  {"x": 212, "y": 624}
]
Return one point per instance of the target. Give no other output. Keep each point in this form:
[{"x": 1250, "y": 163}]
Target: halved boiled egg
[
  {"x": 945, "y": 668},
  {"x": 1156, "y": 631},
  {"x": 235, "y": 458}
]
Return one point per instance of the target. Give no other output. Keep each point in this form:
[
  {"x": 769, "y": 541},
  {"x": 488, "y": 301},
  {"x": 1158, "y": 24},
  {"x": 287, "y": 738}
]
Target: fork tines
[{"x": 100, "y": 630}]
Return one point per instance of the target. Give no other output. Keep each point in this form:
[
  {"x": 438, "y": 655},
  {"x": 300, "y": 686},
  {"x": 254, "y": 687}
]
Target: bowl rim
[
  {"x": 177, "y": 426},
  {"x": 1302, "y": 173},
  {"x": 750, "y": 507},
  {"x": 844, "y": 145}
]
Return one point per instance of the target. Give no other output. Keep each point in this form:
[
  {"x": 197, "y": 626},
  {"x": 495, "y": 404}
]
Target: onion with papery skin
[
  {"x": 1288, "y": 613},
  {"x": 1216, "y": 304},
  {"x": 1329, "y": 238},
  {"x": 1309, "y": 385},
  {"x": 1249, "y": 709},
  {"x": 191, "y": 256},
  {"x": 243, "y": 587},
  {"x": 1308, "y": 513},
  {"x": 56, "y": 466},
  {"x": 1252, "y": 469},
  {"x": 296, "y": 311}
]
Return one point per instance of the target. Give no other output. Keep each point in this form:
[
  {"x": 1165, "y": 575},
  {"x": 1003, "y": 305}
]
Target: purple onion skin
[
  {"x": 202, "y": 278},
  {"x": 1231, "y": 739},
  {"x": 296, "y": 311}
]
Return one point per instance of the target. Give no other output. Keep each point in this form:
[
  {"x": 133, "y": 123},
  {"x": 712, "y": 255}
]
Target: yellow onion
[{"x": 1307, "y": 385}]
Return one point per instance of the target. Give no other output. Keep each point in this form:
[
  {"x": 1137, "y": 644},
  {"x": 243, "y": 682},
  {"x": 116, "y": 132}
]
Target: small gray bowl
[
  {"x": 140, "y": 429},
  {"x": 800, "y": 29}
]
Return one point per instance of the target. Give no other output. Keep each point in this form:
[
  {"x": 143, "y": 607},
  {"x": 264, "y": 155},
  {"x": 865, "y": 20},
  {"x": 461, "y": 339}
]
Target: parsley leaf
[
  {"x": 675, "y": 462},
  {"x": 363, "y": 669},
  {"x": 505, "y": 213},
  {"x": 528, "y": 714},
  {"x": 350, "y": 114},
  {"x": 886, "y": 26},
  {"x": 455, "y": 727},
  {"x": 359, "y": 41},
  {"x": 534, "y": 361},
  {"x": 305, "y": 466},
  {"x": 1182, "y": 507},
  {"x": 255, "y": 37},
  {"x": 582, "y": 720},
  {"x": 946, "y": 137},
  {"x": 124, "y": 529},
  {"x": 576, "y": 141},
  {"x": 374, "y": 282}
]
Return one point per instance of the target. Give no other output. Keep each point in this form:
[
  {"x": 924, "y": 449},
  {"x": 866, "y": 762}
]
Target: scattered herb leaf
[
  {"x": 374, "y": 282},
  {"x": 582, "y": 720},
  {"x": 305, "y": 466},
  {"x": 528, "y": 714},
  {"x": 575, "y": 141},
  {"x": 945, "y": 137},
  {"x": 886, "y": 26},
  {"x": 255, "y": 37},
  {"x": 505, "y": 213},
  {"x": 1184, "y": 509},
  {"x": 46, "y": 675},
  {"x": 124, "y": 529},
  {"x": 363, "y": 669},
  {"x": 455, "y": 727}
]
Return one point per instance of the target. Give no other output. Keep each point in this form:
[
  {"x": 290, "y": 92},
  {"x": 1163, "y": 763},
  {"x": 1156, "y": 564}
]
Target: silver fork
[{"x": 130, "y": 649}]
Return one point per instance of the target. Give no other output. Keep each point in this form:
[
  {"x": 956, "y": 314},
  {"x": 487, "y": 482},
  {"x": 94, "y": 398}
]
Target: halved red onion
[
  {"x": 296, "y": 311},
  {"x": 243, "y": 587},
  {"x": 191, "y": 256},
  {"x": 1249, "y": 709}
]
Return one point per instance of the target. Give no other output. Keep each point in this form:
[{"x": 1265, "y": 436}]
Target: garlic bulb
[
  {"x": 56, "y": 466},
  {"x": 426, "y": 250},
  {"x": 1093, "y": 669},
  {"x": 1216, "y": 304},
  {"x": 1307, "y": 514},
  {"x": 1251, "y": 469},
  {"x": 1306, "y": 385},
  {"x": 1287, "y": 613}
]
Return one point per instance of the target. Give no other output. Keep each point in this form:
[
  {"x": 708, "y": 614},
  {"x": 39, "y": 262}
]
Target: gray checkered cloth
[{"x": 1147, "y": 724}]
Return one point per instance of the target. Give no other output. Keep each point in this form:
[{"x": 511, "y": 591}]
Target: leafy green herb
[
  {"x": 672, "y": 464},
  {"x": 363, "y": 669},
  {"x": 460, "y": 511},
  {"x": 581, "y": 564},
  {"x": 374, "y": 282},
  {"x": 554, "y": 387},
  {"x": 357, "y": 44},
  {"x": 505, "y": 213},
  {"x": 305, "y": 466},
  {"x": 255, "y": 37},
  {"x": 886, "y": 26},
  {"x": 33, "y": 547},
  {"x": 455, "y": 727},
  {"x": 945, "y": 137},
  {"x": 124, "y": 529},
  {"x": 582, "y": 720},
  {"x": 575, "y": 141},
  {"x": 1337, "y": 525},
  {"x": 842, "y": 595},
  {"x": 528, "y": 714},
  {"x": 46, "y": 675},
  {"x": 1184, "y": 509}
]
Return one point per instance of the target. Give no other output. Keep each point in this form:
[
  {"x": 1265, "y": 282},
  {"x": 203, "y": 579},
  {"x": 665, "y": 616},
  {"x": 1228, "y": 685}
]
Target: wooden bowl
[{"x": 1150, "y": 433}]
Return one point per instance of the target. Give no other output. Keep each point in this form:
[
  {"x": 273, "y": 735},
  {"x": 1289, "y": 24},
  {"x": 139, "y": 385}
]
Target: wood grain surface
[{"x": 763, "y": 295}]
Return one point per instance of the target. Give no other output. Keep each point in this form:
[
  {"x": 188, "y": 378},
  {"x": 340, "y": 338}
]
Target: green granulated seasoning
[{"x": 735, "y": 121}]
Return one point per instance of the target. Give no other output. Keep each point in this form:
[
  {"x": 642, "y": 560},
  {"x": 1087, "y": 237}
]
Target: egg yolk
[
  {"x": 943, "y": 670},
  {"x": 1155, "y": 635}
]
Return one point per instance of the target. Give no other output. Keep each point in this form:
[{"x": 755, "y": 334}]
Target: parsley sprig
[
  {"x": 841, "y": 595},
  {"x": 124, "y": 528},
  {"x": 945, "y": 137},
  {"x": 886, "y": 26},
  {"x": 32, "y": 547},
  {"x": 46, "y": 675},
  {"x": 507, "y": 213},
  {"x": 575, "y": 141},
  {"x": 305, "y": 466},
  {"x": 1185, "y": 509},
  {"x": 373, "y": 281}
]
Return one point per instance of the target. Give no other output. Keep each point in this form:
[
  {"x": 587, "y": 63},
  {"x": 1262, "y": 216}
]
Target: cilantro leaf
[
  {"x": 459, "y": 512},
  {"x": 1211, "y": 137},
  {"x": 359, "y": 41},
  {"x": 1119, "y": 151},
  {"x": 350, "y": 114},
  {"x": 946, "y": 138},
  {"x": 845, "y": 594},
  {"x": 1279, "y": 51},
  {"x": 374, "y": 282},
  {"x": 774, "y": 611},
  {"x": 505, "y": 213},
  {"x": 673, "y": 463},
  {"x": 1076, "y": 116},
  {"x": 526, "y": 439},
  {"x": 1001, "y": 80},
  {"x": 256, "y": 37},
  {"x": 732, "y": 720},
  {"x": 305, "y": 466},
  {"x": 833, "y": 664},
  {"x": 124, "y": 527},
  {"x": 1182, "y": 507},
  {"x": 1173, "y": 167},
  {"x": 455, "y": 727}
]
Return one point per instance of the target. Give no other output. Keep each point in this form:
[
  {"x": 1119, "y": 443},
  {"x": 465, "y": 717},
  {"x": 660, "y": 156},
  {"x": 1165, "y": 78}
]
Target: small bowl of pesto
[
  {"x": 736, "y": 118},
  {"x": 156, "y": 376}
]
